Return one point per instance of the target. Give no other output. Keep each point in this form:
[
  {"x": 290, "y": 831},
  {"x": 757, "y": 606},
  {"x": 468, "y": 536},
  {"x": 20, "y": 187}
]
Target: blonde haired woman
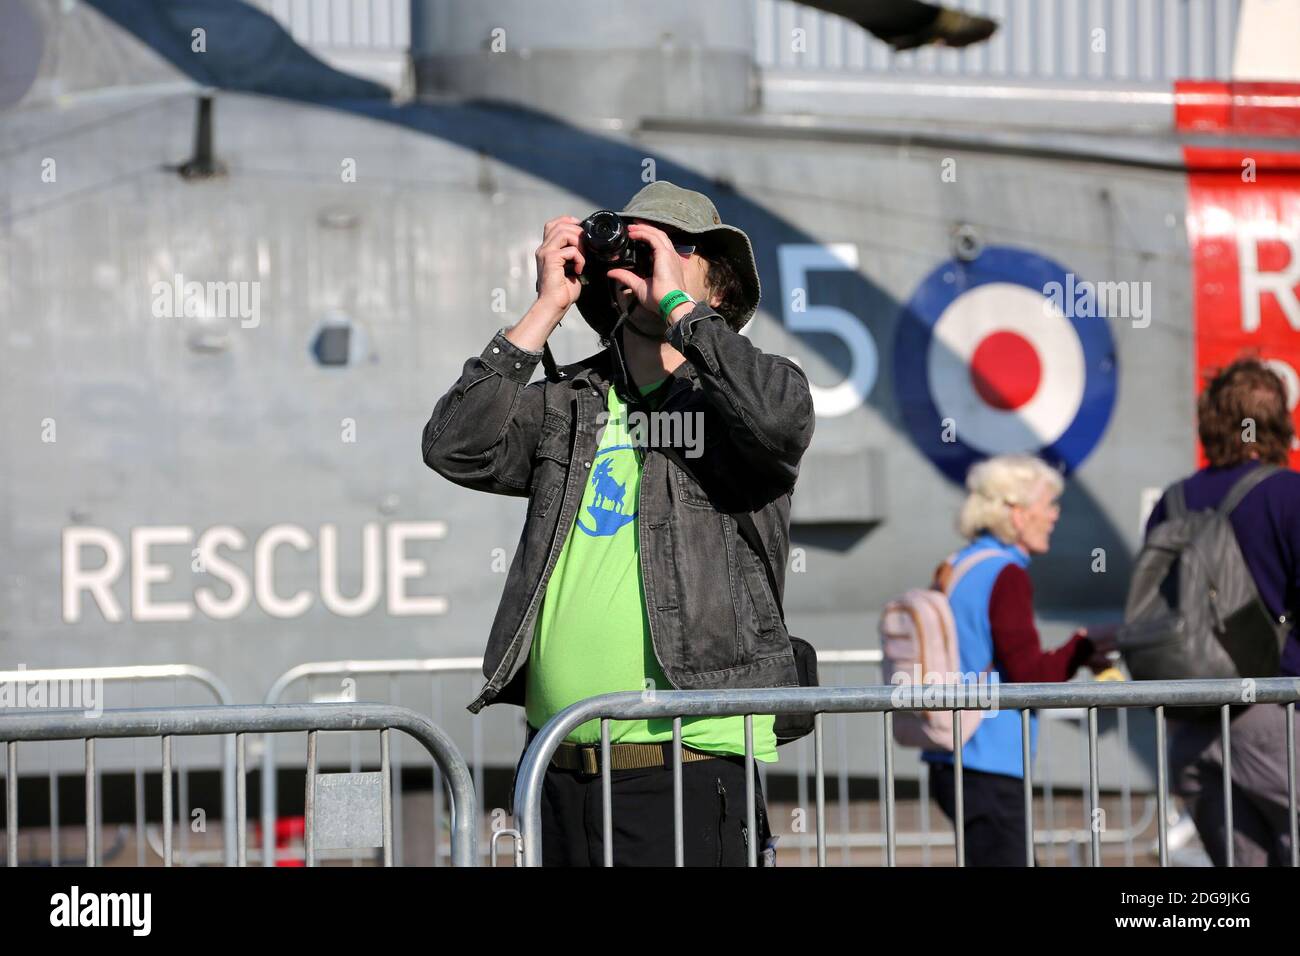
[{"x": 1008, "y": 516}]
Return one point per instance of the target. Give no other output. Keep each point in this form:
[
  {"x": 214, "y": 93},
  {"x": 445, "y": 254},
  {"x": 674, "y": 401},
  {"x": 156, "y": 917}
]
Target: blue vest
[{"x": 995, "y": 746}]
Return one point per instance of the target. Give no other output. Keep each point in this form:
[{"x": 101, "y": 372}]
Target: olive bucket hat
[{"x": 665, "y": 204}]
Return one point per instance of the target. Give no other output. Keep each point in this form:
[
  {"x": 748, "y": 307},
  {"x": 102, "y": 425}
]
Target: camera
[{"x": 606, "y": 245}]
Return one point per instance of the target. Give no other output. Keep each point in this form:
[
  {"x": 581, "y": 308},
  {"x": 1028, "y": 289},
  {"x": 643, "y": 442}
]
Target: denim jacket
[{"x": 713, "y": 620}]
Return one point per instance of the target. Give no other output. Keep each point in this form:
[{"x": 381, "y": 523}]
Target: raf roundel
[{"x": 986, "y": 362}]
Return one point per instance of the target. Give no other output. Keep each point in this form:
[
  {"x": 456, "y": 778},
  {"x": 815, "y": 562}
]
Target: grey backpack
[{"x": 1193, "y": 610}]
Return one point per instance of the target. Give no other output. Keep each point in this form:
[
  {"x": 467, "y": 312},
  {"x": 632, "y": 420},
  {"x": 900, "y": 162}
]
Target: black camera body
[{"x": 606, "y": 245}]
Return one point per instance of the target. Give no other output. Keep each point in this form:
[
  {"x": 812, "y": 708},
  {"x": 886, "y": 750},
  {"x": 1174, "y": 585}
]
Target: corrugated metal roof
[
  {"x": 1136, "y": 41},
  {"x": 1094, "y": 41}
]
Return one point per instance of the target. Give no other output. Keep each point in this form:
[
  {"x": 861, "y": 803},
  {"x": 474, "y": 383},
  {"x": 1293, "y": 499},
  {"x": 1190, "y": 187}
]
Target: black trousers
[
  {"x": 714, "y": 822},
  {"x": 994, "y": 812}
]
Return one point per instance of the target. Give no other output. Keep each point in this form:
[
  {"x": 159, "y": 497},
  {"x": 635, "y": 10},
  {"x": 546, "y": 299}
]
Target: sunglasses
[{"x": 683, "y": 244}]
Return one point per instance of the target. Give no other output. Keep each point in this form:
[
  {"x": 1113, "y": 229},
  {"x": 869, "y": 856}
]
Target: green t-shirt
[{"x": 593, "y": 633}]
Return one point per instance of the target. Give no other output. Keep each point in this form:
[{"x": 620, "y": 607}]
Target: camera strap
[{"x": 548, "y": 363}]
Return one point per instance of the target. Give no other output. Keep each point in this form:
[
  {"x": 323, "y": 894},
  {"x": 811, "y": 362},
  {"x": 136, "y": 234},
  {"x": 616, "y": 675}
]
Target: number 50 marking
[{"x": 795, "y": 261}]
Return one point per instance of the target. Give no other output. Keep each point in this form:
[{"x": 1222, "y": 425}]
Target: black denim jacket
[{"x": 713, "y": 622}]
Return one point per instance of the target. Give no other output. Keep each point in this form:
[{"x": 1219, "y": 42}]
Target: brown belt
[{"x": 586, "y": 757}]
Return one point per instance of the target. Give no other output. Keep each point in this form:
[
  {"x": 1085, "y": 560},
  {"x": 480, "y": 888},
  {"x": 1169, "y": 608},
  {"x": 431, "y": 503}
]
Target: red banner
[{"x": 1243, "y": 226}]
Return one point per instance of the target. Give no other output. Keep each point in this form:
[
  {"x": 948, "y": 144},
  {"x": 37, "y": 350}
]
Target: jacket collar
[{"x": 604, "y": 368}]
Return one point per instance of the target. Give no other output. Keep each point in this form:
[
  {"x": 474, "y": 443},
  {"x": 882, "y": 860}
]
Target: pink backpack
[{"x": 919, "y": 641}]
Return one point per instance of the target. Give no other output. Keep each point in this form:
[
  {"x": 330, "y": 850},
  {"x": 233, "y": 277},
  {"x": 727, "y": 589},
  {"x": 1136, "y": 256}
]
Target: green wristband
[{"x": 671, "y": 301}]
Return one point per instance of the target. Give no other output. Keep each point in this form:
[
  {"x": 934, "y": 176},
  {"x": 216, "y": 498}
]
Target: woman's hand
[{"x": 1104, "y": 643}]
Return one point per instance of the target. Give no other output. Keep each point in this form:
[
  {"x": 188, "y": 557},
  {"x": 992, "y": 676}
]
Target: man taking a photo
[{"x": 631, "y": 574}]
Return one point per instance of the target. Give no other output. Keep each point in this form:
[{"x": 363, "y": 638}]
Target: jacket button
[
  {"x": 519, "y": 365},
  {"x": 586, "y": 464},
  {"x": 495, "y": 350}
]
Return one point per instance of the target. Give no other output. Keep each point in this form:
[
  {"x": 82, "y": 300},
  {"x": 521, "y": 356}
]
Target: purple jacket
[{"x": 1267, "y": 525}]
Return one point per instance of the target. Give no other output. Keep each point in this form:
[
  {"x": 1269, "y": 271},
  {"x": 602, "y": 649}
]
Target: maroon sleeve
[{"x": 1016, "y": 646}]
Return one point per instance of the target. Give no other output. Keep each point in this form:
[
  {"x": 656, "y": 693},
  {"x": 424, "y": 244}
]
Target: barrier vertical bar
[
  {"x": 354, "y": 766},
  {"x": 958, "y": 801},
  {"x": 819, "y": 769},
  {"x": 801, "y": 790},
  {"x": 54, "y": 813},
  {"x": 750, "y": 813},
  {"x": 1162, "y": 786},
  {"x": 925, "y": 814},
  {"x": 841, "y": 739},
  {"x": 183, "y": 799},
  {"x": 435, "y": 700},
  {"x": 269, "y": 793},
  {"x": 91, "y": 818},
  {"x": 167, "y": 811},
  {"x": 138, "y": 792},
  {"x": 606, "y": 793},
  {"x": 386, "y": 794},
  {"x": 395, "y": 758},
  {"x": 891, "y": 819},
  {"x": 11, "y": 802},
  {"x": 1094, "y": 789},
  {"x": 679, "y": 829},
  {"x": 1225, "y": 728},
  {"x": 309, "y": 804},
  {"x": 1026, "y": 761},
  {"x": 241, "y": 804},
  {"x": 1291, "y": 784}
]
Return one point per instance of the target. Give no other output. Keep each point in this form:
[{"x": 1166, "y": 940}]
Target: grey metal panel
[
  {"x": 839, "y": 486},
  {"x": 1148, "y": 41},
  {"x": 349, "y": 811}
]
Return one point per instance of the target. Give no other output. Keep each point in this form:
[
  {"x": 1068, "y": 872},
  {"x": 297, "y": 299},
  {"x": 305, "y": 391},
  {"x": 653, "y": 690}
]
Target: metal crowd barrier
[
  {"x": 848, "y": 700},
  {"x": 201, "y": 676},
  {"x": 436, "y": 667},
  {"x": 832, "y": 665},
  {"x": 331, "y": 799}
]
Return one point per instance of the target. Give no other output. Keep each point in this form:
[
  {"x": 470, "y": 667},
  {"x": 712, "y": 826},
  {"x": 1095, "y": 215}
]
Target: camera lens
[{"x": 605, "y": 235}]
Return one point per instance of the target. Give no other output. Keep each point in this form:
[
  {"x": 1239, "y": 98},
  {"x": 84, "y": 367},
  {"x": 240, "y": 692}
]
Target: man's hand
[
  {"x": 667, "y": 275},
  {"x": 556, "y": 289}
]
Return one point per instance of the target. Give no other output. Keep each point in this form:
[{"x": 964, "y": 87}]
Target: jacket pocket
[
  {"x": 544, "y": 493},
  {"x": 755, "y": 593},
  {"x": 688, "y": 489},
  {"x": 550, "y": 465},
  {"x": 556, "y": 441}
]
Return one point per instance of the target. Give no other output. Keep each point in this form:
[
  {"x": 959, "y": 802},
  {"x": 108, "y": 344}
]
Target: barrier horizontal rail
[
  {"x": 129, "y": 673},
  {"x": 887, "y": 700},
  {"x": 240, "y": 720}
]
